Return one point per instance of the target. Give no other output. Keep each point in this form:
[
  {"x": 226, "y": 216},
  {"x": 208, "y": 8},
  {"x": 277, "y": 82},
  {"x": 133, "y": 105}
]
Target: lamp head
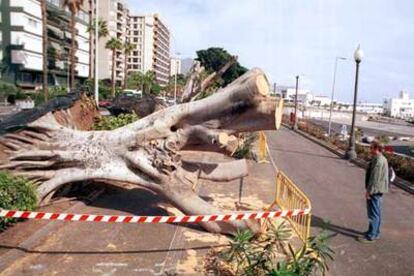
[{"x": 358, "y": 55}]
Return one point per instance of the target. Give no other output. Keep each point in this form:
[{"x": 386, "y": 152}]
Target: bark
[
  {"x": 113, "y": 72},
  {"x": 147, "y": 152}
]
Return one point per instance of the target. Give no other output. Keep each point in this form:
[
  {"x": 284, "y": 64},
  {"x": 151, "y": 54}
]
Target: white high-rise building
[
  {"x": 116, "y": 15},
  {"x": 22, "y": 39},
  {"x": 152, "y": 39}
]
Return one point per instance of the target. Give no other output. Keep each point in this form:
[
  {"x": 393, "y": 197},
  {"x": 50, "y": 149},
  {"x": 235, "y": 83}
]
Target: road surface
[{"x": 336, "y": 190}]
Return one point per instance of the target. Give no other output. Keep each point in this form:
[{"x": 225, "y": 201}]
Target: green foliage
[
  {"x": 102, "y": 27},
  {"x": 383, "y": 139},
  {"x": 403, "y": 166},
  {"x": 213, "y": 59},
  {"x": 114, "y": 44},
  {"x": 104, "y": 88},
  {"x": 143, "y": 82},
  {"x": 7, "y": 89},
  {"x": 53, "y": 92},
  {"x": 113, "y": 122},
  {"x": 244, "y": 150},
  {"x": 16, "y": 193},
  {"x": 250, "y": 255}
]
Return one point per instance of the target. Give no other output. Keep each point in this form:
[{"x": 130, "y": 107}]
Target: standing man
[{"x": 376, "y": 184}]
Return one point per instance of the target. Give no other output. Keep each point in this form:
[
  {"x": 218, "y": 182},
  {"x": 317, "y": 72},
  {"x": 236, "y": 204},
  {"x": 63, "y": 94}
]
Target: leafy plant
[
  {"x": 250, "y": 255},
  {"x": 246, "y": 147},
  {"x": 10, "y": 92},
  {"x": 53, "y": 92},
  {"x": 16, "y": 193},
  {"x": 104, "y": 88},
  {"x": 113, "y": 122}
]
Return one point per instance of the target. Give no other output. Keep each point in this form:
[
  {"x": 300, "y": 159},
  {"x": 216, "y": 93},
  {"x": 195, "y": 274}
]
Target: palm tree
[
  {"x": 102, "y": 32},
  {"x": 148, "y": 81},
  {"x": 44, "y": 49},
  {"x": 128, "y": 47},
  {"x": 113, "y": 44},
  {"x": 74, "y": 7}
]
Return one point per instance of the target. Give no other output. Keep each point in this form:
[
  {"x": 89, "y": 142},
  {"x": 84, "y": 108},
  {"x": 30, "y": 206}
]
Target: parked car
[
  {"x": 131, "y": 92},
  {"x": 105, "y": 103}
]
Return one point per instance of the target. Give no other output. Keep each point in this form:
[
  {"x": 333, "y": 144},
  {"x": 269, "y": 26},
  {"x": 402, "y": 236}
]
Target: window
[{"x": 32, "y": 23}]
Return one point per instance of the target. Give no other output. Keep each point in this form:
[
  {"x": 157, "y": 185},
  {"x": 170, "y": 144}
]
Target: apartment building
[
  {"x": 116, "y": 15},
  {"x": 401, "y": 107},
  {"x": 21, "y": 43},
  {"x": 152, "y": 39}
]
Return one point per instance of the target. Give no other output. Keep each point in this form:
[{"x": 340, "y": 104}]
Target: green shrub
[
  {"x": 16, "y": 193},
  {"x": 113, "y": 122},
  {"x": 261, "y": 255},
  {"x": 7, "y": 89},
  {"x": 383, "y": 139},
  {"x": 52, "y": 91},
  {"x": 245, "y": 150}
]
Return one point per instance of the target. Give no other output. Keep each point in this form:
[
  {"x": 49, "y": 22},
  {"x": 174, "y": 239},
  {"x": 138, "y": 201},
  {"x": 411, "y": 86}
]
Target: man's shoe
[{"x": 365, "y": 240}]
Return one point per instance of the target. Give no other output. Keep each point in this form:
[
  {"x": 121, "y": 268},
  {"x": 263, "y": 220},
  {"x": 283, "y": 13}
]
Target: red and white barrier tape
[{"x": 151, "y": 219}]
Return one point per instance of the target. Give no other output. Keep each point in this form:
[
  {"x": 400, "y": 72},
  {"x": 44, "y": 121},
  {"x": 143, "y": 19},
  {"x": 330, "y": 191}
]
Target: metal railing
[{"x": 289, "y": 197}]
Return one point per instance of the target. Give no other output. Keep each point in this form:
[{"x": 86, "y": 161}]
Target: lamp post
[
  {"x": 295, "y": 124},
  {"x": 351, "y": 153},
  {"x": 96, "y": 54},
  {"x": 333, "y": 93}
]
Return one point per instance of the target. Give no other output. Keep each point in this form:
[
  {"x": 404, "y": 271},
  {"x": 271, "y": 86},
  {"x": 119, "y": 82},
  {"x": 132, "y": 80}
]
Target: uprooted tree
[{"x": 147, "y": 153}]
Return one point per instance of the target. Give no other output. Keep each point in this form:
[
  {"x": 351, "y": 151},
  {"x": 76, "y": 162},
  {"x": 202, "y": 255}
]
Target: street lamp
[
  {"x": 295, "y": 124},
  {"x": 351, "y": 153},
  {"x": 333, "y": 93}
]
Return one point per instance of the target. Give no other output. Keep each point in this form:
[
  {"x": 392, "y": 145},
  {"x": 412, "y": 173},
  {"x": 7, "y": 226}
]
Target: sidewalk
[
  {"x": 130, "y": 249},
  {"x": 336, "y": 190}
]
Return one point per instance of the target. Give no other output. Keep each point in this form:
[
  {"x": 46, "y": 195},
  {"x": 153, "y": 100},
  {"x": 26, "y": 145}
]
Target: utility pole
[{"x": 295, "y": 124}]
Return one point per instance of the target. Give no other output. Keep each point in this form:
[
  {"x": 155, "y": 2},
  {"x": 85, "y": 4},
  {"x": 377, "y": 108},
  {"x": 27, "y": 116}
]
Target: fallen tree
[
  {"x": 147, "y": 153},
  {"x": 196, "y": 84}
]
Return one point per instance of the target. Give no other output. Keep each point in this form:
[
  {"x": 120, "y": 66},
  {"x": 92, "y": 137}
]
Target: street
[{"x": 336, "y": 190}]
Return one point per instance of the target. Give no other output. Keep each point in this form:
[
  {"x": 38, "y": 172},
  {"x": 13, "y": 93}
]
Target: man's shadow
[{"x": 327, "y": 225}]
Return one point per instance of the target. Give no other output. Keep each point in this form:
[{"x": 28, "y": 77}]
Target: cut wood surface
[{"x": 147, "y": 152}]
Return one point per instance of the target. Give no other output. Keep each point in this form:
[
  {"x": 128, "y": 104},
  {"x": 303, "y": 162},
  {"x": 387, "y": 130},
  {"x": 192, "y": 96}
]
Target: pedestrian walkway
[{"x": 336, "y": 190}]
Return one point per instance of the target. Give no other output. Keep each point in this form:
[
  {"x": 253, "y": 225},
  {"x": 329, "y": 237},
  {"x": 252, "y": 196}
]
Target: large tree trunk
[
  {"x": 125, "y": 70},
  {"x": 113, "y": 72},
  {"x": 147, "y": 152},
  {"x": 196, "y": 85}
]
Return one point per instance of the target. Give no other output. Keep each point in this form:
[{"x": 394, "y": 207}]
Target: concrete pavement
[{"x": 336, "y": 190}]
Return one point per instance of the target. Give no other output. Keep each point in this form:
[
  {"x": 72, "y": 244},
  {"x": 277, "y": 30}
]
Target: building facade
[
  {"x": 175, "y": 66},
  {"x": 401, "y": 107},
  {"x": 21, "y": 51},
  {"x": 152, "y": 39},
  {"x": 116, "y": 15}
]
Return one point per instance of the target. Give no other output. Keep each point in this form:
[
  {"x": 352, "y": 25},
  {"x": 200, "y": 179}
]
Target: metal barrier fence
[{"x": 289, "y": 196}]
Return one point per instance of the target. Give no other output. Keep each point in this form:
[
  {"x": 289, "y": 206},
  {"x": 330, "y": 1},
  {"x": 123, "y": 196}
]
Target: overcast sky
[{"x": 291, "y": 37}]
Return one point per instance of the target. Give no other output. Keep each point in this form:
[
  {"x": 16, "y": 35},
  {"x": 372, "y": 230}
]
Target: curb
[
  {"x": 399, "y": 182},
  {"x": 7, "y": 259}
]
